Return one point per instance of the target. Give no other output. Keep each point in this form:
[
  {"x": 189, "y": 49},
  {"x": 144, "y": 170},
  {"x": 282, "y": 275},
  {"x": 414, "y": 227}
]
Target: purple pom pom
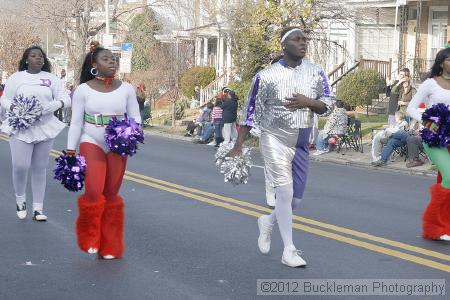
[
  {"x": 26, "y": 111},
  {"x": 122, "y": 136},
  {"x": 440, "y": 115},
  {"x": 70, "y": 171}
]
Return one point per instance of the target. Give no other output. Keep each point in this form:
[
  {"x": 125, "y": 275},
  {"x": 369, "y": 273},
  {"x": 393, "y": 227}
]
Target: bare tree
[
  {"x": 256, "y": 28},
  {"x": 77, "y": 24},
  {"x": 15, "y": 36}
]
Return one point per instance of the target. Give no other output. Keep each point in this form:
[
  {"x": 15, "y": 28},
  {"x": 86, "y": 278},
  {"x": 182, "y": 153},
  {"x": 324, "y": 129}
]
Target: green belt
[{"x": 99, "y": 119}]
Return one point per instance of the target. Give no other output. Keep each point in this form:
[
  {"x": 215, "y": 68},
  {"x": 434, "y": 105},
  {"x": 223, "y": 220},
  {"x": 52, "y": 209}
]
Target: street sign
[
  {"x": 108, "y": 40},
  {"x": 125, "y": 57},
  {"x": 4, "y": 76},
  {"x": 125, "y": 65},
  {"x": 126, "y": 47}
]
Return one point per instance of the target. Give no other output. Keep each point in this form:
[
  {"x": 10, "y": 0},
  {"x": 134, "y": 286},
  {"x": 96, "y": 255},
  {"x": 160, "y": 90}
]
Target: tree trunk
[{"x": 173, "y": 113}]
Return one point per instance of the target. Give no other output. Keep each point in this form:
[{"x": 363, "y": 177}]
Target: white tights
[
  {"x": 26, "y": 155},
  {"x": 284, "y": 205}
]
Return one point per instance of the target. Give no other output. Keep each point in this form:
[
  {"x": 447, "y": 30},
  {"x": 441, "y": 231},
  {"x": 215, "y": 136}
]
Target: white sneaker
[
  {"x": 212, "y": 143},
  {"x": 92, "y": 250},
  {"x": 39, "y": 216},
  {"x": 265, "y": 231},
  {"x": 445, "y": 237},
  {"x": 270, "y": 201},
  {"x": 320, "y": 152},
  {"x": 21, "y": 206},
  {"x": 108, "y": 257},
  {"x": 21, "y": 210},
  {"x": 291, "y": 257}
]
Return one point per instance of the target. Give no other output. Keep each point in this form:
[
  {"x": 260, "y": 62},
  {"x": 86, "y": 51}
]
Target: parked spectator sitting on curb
[
  {"x": 196, "y": 123},
  {"x": 336, "y": 125},
  {"x": 207, "y": 125},
  {"x": 381, "y": 137},
  {"x": 415, "y": 146},
  {"x": 397, "y": 140}
]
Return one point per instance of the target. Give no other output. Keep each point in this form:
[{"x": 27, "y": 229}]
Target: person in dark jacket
[
  {"x": 229, "y": 116},
  {"x": 400, "y": 91},
  {"x": 140, "y": 96}
]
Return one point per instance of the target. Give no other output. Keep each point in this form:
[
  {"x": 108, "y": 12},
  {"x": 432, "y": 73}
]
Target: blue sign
[{"x": 126, "y": 47}]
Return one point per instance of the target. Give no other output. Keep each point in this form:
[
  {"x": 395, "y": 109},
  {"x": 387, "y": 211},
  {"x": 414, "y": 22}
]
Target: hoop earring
[{"x": 92, "y": 72}]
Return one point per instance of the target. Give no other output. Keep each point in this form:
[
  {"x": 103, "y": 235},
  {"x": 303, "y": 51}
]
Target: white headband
[{"x": 288, "y": 33}]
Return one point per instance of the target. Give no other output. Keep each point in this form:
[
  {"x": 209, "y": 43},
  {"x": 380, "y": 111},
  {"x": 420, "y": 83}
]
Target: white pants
[
  {"x": 314, "y": 131},
  {"x": 270, "y": 192},
  {"x": 229, "y": 132},
  {"x": 26, "y": 156},
  {"x": 377, "y": 146}
]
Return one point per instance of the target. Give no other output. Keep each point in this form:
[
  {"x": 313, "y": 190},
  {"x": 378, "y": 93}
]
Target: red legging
[
  {"x": 104, "y": 172},
  {"x": 101, "y": 210}
]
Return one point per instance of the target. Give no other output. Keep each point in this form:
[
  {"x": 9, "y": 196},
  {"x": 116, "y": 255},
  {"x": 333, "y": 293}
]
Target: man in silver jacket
[{"x": 282, "y": 102}]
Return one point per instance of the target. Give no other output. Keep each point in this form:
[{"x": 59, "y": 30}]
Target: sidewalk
[{"x": 345, "y": 157}]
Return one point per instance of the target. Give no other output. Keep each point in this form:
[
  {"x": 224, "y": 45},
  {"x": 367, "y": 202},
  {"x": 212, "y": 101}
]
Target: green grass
[{"x": 367, "y": 123}]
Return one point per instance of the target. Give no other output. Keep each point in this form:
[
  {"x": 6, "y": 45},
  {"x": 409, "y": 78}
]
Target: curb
[
  {"x": 370, "y": 167},
  {"x": 167, "y": 135},
  {"x": 313, "y": 158}
]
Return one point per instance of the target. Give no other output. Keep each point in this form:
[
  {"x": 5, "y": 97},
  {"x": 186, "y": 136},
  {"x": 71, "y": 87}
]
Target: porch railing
[
  {"x": 383, "y": 67},
  {"x": 208, "y": 92}
]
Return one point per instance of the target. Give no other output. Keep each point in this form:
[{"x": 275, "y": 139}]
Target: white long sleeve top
[
  {"x": 429, "y": 92},
  {"x": 46, "y": 87},
  {"x": 87, "y": 100}
]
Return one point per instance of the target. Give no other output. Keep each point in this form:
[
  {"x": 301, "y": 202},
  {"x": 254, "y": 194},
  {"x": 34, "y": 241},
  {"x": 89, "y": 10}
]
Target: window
[
  {"x": 439, "y": 15},
  {"x": 412, "y": 14},
  {"x": 375, "y": 42},
  {"x": 437, "y": 31}
]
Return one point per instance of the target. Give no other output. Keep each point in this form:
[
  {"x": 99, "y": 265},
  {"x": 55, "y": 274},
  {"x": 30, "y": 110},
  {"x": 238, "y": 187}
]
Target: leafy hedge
[
  {"x": 196, "y": 76},
  {"x": 360, "y": 87},
  {"x": 241, "y": 89}
]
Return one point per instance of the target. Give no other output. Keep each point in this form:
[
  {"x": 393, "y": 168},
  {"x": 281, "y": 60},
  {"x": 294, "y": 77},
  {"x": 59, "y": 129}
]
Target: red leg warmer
[
  {"x": 112, "y": 240},
  {"x": 88, "y": 222},
  {"x": 434, "y": 220}
]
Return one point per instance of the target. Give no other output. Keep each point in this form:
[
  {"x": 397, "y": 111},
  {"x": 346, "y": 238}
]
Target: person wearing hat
[{"x": 229, "y": 115}]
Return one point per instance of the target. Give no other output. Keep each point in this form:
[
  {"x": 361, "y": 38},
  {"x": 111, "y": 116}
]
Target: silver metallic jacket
[{"x": 270, "y": 87}]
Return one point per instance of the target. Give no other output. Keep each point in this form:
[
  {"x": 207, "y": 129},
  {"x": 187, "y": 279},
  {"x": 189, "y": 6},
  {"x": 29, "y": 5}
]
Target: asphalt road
[{"x": 189, "y": 235}]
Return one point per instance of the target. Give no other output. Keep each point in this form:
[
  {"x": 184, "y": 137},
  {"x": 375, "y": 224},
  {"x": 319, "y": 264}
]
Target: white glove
[{"x": 51, "y": 107}]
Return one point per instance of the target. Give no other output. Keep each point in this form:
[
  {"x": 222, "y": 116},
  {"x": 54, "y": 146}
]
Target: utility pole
[
  {"x": 47, "y": 42},
  {"x": 107, "y": 16},
  {"x": 177, "y": 70}
]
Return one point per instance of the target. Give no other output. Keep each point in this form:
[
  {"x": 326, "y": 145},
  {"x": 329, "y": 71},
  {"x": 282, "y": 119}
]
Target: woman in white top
[
  {"x": 98, "y": 98},
  {"x": 30, "y": 147},
  {"x": 436, "y": 89}
]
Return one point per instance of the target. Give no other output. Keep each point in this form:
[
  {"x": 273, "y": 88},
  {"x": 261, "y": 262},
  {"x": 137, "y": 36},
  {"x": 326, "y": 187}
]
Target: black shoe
[{"x": 39, "y": 216}]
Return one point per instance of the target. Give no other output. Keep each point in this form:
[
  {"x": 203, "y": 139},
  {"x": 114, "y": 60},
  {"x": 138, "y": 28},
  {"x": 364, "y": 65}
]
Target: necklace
[
  {"x": 446, "y": 77},
  {"x": 107, "y": 80}
]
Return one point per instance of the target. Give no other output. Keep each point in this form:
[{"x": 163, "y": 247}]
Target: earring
[
  {"x": 94, "y": 70},
  {"x": 26, "y": 62}
]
